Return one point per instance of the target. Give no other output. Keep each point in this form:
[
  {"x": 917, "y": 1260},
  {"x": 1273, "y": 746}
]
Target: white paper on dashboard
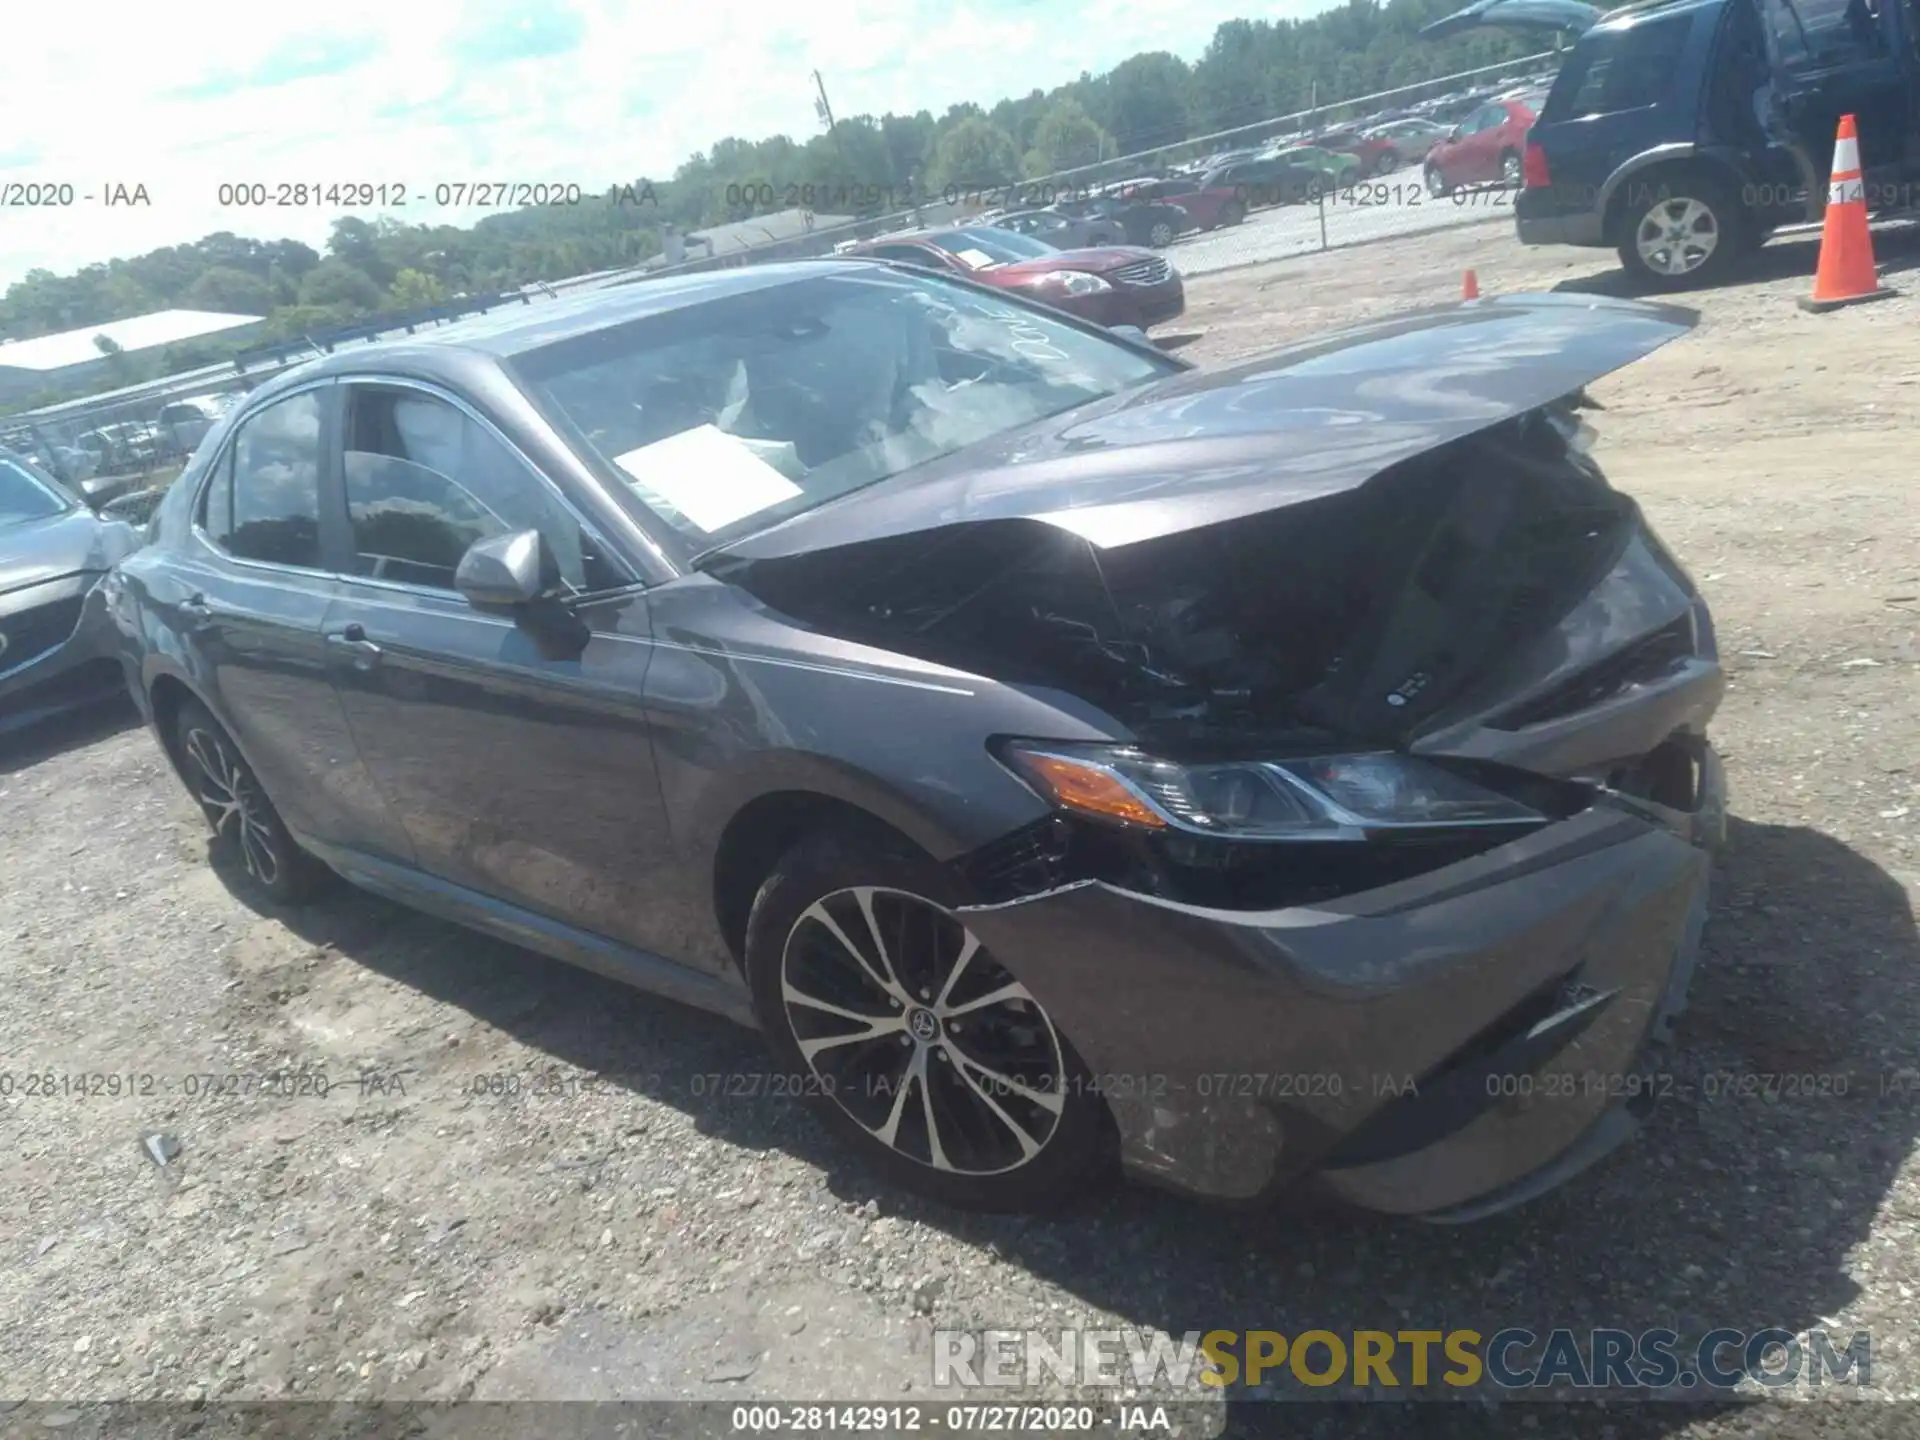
[
  {"x": 974, "y": 259},
  {"x": 708, "y": 476}
]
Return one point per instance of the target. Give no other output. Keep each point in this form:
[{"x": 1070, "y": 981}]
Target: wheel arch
[
  {"x": 766, "y": 828},
  {"x": 1648, "y": 168},
  {"x": 167, "y": 695}
]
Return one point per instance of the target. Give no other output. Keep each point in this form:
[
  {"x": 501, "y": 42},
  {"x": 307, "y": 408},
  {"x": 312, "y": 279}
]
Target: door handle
[
  {"x": 196, "y": 612},
  {"x": 351, "y": 640}
]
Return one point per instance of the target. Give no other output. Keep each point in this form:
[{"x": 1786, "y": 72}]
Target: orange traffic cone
[
  {"x": 1470, "y": 286},
  {"x": 1846, "y": 273}
]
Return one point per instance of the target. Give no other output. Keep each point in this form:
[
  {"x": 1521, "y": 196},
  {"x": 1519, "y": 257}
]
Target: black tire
[
  {"x": 1512, "y": 170},
  {"x": 250, "y": 841},
  {"x": 1388, "y": 162},
  {"x": 1231, "y": 213},
  {"x": 1714, "y": 231},
  {"x": 1437, "y": 185},
  {"x": 788, "y": 944}
]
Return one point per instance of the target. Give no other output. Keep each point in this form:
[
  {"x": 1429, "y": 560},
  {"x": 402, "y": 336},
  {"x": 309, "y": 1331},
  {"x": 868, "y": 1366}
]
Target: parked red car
[
  {"x": 1210, "y": 206},
  {"x": 1377, "y": 156},
  {"x": 1110, "y": 285},
  {"x": 1486, "y": 148}
]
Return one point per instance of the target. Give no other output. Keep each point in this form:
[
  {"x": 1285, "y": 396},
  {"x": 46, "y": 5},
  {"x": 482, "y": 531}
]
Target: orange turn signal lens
[{"x": 1089, "y": 789}]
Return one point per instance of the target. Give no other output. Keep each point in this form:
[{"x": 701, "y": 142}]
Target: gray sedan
[{"x": 1071, "y": 761}]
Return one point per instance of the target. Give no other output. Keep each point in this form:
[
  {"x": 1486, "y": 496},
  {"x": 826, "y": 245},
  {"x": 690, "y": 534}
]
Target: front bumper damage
[
  {"x": 1447, "y": 1046},
  {"x": 58, "y": 652}
]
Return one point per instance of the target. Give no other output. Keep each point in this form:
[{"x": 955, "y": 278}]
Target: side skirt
[{"x": 543, "y": 934}]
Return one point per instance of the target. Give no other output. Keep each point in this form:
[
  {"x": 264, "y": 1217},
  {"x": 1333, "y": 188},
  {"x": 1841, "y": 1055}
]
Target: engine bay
[{"x": 1360, "y": 617}]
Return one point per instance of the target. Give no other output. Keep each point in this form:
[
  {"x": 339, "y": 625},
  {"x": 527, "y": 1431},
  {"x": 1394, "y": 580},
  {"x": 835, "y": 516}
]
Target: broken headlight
[{"x": 1325, "y": 797}]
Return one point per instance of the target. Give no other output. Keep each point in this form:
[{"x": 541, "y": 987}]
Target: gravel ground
[{"x": 413, "y": 1236}]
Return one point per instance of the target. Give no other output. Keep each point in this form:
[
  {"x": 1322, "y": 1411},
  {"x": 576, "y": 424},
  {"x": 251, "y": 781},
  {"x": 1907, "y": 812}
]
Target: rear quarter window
[{"x": 1620, "y": 69}]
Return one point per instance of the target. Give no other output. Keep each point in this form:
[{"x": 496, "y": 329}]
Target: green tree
[
  {"x": 414, "y": 288},
  {"x": 231, "y": 291},
  {"x": 1148, "y": 99},
  {"x": 1065, "y": 139},
  {"x": 336, "y": 283},
  {"x": 974, "y": 154}
]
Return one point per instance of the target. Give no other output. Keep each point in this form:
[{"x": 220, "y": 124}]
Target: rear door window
[
  {"x": 1818, "y": 34},
  {"x": 264, "y": 504},
  {"x": 1621, "y": 70}
]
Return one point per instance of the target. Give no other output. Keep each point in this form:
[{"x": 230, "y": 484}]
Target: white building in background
[{"x": 73, "y": 357}]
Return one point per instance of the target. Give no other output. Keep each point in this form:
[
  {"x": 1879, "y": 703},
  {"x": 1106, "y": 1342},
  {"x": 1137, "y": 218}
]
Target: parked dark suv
[{"x": 1683, "y": 132}]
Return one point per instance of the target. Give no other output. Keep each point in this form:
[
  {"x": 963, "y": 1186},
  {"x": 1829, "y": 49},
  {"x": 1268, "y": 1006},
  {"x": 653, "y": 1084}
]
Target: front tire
[
  {"x": 1232, "y": 213},
  {"x": 1511, "y": 170},
  {"x": 250, "y": 841},
  {"x": 911, "y": 1041},
  {"x": 1160, "y": 234},
  {"x": 1690, "y": 231},
  {"x": 1437, "y": 185}
]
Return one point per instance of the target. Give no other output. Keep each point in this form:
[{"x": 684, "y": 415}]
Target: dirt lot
[{"x": 412, "y": 1236}]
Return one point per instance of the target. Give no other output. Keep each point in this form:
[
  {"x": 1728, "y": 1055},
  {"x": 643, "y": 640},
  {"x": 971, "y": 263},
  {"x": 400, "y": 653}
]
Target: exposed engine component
[{"x": 1363, "y": 615}]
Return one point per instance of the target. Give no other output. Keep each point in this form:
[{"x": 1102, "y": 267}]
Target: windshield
[
  {"x": 25, "y": 496},
  {"x": 727, "y": 417},
  {"x": 980, "y": 246}
]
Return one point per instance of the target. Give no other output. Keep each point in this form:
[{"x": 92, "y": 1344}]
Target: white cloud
[{"x": 99, "y": 92}]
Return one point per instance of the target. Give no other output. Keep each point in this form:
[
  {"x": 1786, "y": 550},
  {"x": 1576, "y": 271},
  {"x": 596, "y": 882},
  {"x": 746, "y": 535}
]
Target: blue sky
[{"x": 424, "y": 92}]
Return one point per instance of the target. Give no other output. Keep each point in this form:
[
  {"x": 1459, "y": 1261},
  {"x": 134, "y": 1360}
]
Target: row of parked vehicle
[{"x": 106, "y": 461}]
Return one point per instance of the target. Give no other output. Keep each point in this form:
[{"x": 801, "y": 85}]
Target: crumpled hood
[
  {"x": 42, "y": 550},
  {"x": 1309, "y": 421}
]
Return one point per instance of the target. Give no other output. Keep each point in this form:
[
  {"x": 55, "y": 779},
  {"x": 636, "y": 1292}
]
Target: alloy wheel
[
  {"x": 1161, "y": 234},
  {"x": 1677, "y": 236},
  {"x": 233, "y": 803},
  {"x": 1510, "y": 172},
  {"x": 919, "y": 1035}
]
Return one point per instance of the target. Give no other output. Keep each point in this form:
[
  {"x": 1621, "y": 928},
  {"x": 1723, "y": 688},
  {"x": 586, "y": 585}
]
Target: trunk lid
[{"x": 1537, "y": 18}]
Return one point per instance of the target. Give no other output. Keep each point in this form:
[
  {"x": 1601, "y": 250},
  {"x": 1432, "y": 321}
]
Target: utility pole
[{"x": 824, "y": 109}]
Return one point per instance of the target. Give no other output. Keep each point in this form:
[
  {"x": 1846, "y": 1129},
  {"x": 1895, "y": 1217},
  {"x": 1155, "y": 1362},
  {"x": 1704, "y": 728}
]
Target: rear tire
[
  {"x": 1160, "y": 234},
  {"x": 1232, "y": 213},
  {"x": 1512, "y": 172},
  {"x": 250, "y": 841},
  {"x": 1437, "y": 185},
  {"x": 1682, "y": 230},
  {"x": 976, "y": 1103}
]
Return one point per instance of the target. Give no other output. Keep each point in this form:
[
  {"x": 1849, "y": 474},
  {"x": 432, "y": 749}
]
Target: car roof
[
  {"x": 516, "y": 329},
  {"x": 504, "y": 333}
]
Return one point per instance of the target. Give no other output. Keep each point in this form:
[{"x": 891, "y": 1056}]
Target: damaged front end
[
  {"x": 1394, "y": 859},
  {"x": 1274, "y": 686}
]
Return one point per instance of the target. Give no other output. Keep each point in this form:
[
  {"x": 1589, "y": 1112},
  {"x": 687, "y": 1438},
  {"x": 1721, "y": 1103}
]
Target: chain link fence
[
  {"x": 133, "y": 442},
  {"x": 1382, "y": 194}
]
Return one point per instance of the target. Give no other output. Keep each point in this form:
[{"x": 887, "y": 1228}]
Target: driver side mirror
[{"x": 504, "y": 571}]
